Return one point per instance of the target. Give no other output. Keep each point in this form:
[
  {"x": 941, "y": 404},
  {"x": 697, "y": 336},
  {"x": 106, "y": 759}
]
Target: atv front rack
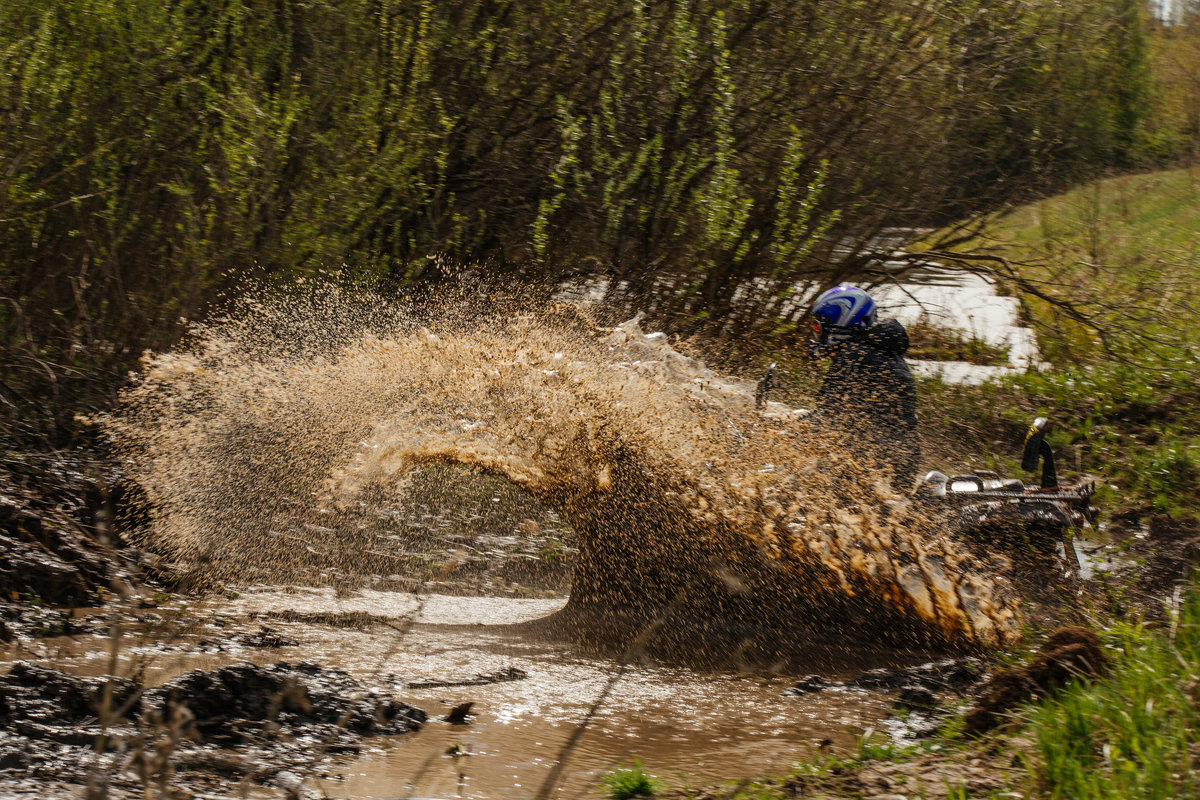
[
  {"x": 1011, "y": 512},
  {"x": 976, "y": 494}
]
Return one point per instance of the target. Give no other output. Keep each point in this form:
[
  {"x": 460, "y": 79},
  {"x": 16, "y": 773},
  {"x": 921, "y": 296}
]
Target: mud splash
[{"x": 277, "y": 443}]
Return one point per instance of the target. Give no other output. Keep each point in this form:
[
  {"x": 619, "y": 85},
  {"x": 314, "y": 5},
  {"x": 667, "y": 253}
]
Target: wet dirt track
[{"x": 684, "y": 724}]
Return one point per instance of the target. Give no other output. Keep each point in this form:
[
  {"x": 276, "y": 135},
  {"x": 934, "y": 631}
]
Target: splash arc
[{"x": 696, "y": 513}]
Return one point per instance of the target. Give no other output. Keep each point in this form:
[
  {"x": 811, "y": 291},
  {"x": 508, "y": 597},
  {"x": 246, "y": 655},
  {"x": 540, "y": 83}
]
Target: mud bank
[
  {"x": 240, "y": 722},
  {"x": 59, "y": 545}
]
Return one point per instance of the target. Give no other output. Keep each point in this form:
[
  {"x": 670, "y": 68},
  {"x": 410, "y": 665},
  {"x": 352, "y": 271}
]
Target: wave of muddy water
[
  {"x": 273, "y": 444},
  {"x": 684, "y": 724}
]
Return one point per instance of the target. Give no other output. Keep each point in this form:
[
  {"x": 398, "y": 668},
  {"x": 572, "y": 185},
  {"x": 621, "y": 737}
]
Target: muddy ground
[
  {"x": 242, "y": 722},
  {"x": 69, "y": 573},
  {"x": 264, "y": 729},
  {"x": 255, "y": 728}
]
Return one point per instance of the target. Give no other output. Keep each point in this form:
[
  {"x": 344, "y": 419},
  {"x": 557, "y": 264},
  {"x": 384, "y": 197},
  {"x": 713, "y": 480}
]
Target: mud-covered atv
[
  {"x": 1011, "y": 515},
  {"x": 1027, "y": 522}
]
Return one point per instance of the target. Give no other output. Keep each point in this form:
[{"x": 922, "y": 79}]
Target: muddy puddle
[
  {"x": 686, "y": 725},
  {"x": 1100, "y": 551}
]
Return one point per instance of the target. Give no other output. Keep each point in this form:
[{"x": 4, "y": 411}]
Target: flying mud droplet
[{"x": 273, "y": 443}]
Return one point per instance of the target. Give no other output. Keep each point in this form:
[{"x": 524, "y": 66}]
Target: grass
[
  {"x": 631, "y": 781},
  {"x": 1137, "y": 734},
  {"x": 1125, "y": 390},
  {"x": 1125, "y": 252},
  {"x": 1138, "y": 431},
  {"x": 1128, "y": 219},
  {"x": 937, "y": 343}
]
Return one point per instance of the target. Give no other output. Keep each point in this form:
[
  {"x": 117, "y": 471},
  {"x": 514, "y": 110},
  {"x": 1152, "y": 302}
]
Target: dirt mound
[
  {"x": 951, "y": 674},
  {"x": 483, "y": 679},
  {"x": 1069, "y": 653},
  {"x": 56, "y": 537},
  {"x": 1170, "y": 553},
  {"x": 33, "y": 694},
  {"x": 47, "y": 558},
  {"x": 284, "y": 716},
  {"x": 246, "y": 702}
]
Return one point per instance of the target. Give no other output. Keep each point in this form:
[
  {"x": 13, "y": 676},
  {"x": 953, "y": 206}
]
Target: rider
[{"x": 868, "y": 392}]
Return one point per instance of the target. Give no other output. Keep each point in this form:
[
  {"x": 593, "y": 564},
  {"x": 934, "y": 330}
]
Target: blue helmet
[{"x": 839, "y": 311}]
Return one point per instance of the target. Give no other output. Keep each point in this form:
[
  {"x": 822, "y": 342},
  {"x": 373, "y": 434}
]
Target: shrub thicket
[{"x": 703, "y": 155}]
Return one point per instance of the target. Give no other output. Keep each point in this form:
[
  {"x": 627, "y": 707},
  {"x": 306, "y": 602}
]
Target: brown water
[{"x": 685, "y": 725}]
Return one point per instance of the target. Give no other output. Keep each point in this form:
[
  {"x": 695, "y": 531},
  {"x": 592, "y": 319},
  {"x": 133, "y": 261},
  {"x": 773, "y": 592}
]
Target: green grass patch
[
  {"x": 1124, "y": 255},
  {"x": 1136, "y": 734},
  {"x": 937, "y": 343},
  {"x": 631, "y": 781},
  {"x": 1129, "y": 219},
  {"x": 1137, "y": 431}
]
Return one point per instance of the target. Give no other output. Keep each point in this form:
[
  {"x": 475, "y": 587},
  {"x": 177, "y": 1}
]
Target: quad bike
[
  {"x": 1012, "y": 515},
  {"x": 1026, "y": 521}
]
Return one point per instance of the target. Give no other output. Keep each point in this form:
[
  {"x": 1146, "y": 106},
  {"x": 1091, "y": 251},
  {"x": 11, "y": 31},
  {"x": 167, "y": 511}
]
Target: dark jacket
[{"x": 869, "y": 393}]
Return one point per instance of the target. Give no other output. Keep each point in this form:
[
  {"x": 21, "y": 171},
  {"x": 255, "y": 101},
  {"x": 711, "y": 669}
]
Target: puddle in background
[
  {"x": 434, "y": 609},
  {"x": 1100, "y": 552},
  {"x": 684, "y": 725},
  {"x": 950, "y": 299},
  {"x": 965, "y": 303}
]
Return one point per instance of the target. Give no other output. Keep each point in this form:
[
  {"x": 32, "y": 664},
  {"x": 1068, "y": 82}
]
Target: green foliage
[
  {"x": 797, "y": 229},
  {"x": 707, "y": 156},
  {"x": 1122, "y": 389},
  {"x": 1069, "y": 93},
  {"x": 658, "y": 168},
  {"x": 1119, "y": 259},
  {"x": 1138, "y": 431},
  {"x": 632, "y": 781},
  {"x": 156, "y": 154},
  {"x": 1135, "y": 734},
  {"x": 1122, "y": 254}
]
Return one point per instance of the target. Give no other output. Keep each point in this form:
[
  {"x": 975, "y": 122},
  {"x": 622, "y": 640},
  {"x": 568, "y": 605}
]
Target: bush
[
  {"x": 632, "y": 781},
  {"x": 705, "y": 155}
]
